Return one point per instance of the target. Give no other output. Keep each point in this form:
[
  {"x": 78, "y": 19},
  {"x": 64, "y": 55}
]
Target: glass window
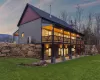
[
  {"x": 50, "y": 33},
  {"x": 66, "y": 36},
  {"x": 73, "y": 37},
  {"x": 61, "y": 51},
  {"x": 48, "y": 52},
  {"x": 66, "y": 51},
  {"x": 46, "y": 32},
  {"x": 22, "y": 35}
]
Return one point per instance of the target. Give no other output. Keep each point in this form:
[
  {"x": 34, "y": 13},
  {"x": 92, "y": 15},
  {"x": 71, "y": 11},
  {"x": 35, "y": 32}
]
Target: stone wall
[{"x": 20, "y": 50}]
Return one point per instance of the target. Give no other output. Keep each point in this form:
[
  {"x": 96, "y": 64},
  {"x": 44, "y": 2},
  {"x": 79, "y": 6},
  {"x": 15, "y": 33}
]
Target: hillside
[{"x": 5, "y": 38}]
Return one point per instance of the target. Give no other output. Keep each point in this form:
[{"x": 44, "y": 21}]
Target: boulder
[
  {"x": 5, "y": 51},
  {"x": 30, "y": 54},
  {"x": 12, "y": 45},
  {"x": 3, "y": 55},
  {"x": 30, "y": 49}
]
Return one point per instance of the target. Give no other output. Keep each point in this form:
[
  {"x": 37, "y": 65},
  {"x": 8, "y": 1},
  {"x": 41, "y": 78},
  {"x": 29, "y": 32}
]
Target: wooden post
[
  {"x": 52, "y": 54},
  {"x": 42, "y": 54},
  {"x": 80, "y": 47},
  {"x": 76, "y": 47},
  {"x": 70, "y": 52},
  {"x": 63, "y": 47}
]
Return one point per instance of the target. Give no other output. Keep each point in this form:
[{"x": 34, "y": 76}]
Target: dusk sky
[{"x": 11, "y": 10}]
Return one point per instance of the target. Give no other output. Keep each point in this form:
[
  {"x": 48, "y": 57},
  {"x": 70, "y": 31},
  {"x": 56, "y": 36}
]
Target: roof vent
[{"x": 50, "y": 12}]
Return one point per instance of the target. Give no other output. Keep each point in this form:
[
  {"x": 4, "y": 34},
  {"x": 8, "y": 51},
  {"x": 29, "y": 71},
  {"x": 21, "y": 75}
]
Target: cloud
[
  {"x": 88, "y": 4},
  {"x": 10, "y": 13}
]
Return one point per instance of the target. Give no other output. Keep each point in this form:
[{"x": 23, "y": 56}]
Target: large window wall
[{"x": 47, "y": 35}]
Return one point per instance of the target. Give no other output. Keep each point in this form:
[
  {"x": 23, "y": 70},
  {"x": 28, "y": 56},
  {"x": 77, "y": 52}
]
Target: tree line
[{"x": 89, "y": 25}]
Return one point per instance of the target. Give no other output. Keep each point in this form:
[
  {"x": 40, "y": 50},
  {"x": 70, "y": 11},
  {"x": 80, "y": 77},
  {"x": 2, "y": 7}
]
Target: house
[{"x": 56, "y": 37}]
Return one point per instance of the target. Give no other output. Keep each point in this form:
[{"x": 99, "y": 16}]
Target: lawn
[{"x": 85, "y": 68}]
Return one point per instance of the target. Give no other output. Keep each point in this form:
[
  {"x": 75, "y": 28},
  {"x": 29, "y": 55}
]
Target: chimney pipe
[{"x": 50, "y": 11}]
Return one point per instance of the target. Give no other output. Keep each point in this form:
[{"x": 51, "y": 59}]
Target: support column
[
  {"x": 42, "y": 52},
  {"x": 52, "y": 53},
  {"x": 80, "y": 48},
  {"x": 63, "y": 58},
  {"x": 76, "y": 48},
  {"x": 70, "y": 51}
]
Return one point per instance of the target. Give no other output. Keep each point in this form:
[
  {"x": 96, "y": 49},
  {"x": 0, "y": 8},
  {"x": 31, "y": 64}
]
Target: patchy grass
[{"x": 85, "y": 68}]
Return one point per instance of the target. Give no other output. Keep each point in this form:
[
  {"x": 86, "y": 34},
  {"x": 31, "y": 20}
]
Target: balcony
[
  {"x": 49, "y": 38},
  {"x": 58, "y": 39}
]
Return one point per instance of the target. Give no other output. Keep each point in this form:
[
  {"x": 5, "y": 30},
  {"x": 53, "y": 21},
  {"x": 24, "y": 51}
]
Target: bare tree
[
  {"x": 90, "y": 20},
  {"x": 64, "y": 15},
  {"x": 78, "y": 18},
  {"x": 97, "y": 27},
  {"x": 88, "y": 31}
]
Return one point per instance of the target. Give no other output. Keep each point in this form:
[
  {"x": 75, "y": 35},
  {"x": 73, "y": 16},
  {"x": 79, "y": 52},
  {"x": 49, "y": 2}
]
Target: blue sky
[{"x": 11, "y": 10}]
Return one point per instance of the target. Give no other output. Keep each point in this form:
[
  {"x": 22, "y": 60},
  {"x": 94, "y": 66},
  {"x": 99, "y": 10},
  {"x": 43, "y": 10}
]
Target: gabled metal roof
[{"x": 46, "y": 15}]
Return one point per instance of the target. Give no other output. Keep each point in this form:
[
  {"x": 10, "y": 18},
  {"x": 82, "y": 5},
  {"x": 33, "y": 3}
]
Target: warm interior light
[
  {"x": 60, "y": 45},
  {"x": 68, "y": 32},
  {"x": 61, "y": 30},
  {"x": 73, "y": 49},
  {"x": 48, "y": 27},
  {"x": 50, "y": 33},
  {"x": 73, "y": 37},
  {"x": 65, "y": 46},
  {"x": 49, "y": 52},
  {"x": 59, "y": 51},
  {"x": 22, "y": 35},
  {"x": 65, "y": 51},
  {"x": 47, "y": 46}
]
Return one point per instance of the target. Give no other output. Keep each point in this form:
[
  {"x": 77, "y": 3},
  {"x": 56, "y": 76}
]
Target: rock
[
  {"x": 30, "y": 49},
  {"x": 31, "y": 45},
  {"x": 30, "y": 53},
  {"x": 38, "y": 46},
  {"x": 5, "y": 44},
  {"x": 12, "y": 45},
  {"x": 2, "y": 55},
  {"x": 5, "y": 51},
  {"x": 26, "y": 46}
]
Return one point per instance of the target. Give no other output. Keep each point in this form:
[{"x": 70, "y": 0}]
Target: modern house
[{"x": 57, "y": 38}]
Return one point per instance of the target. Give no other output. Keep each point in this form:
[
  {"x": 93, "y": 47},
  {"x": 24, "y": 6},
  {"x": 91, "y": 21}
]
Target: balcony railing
[
  {"x": 60, "y": 39},
  {"x": 66, "y": 40},
  {"x": 49, "y": 38},
  {"x": 73, "y": 41}
]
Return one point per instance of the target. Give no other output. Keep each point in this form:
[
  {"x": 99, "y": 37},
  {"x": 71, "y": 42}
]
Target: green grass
[{"x": 85, "y": 68}]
